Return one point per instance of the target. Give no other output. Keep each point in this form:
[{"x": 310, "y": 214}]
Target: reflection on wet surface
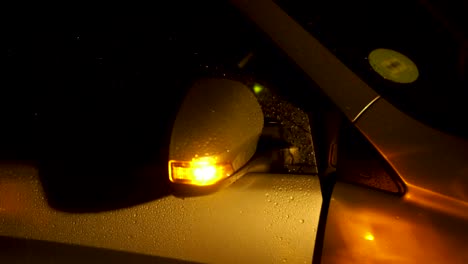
[
  {"x": 280, "y": 210},
  {"x": 366, "y": 226},
  {"x": 298, "y": 156}
]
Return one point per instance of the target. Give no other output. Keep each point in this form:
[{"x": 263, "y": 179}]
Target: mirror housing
[{"x": 215, "y": 133}]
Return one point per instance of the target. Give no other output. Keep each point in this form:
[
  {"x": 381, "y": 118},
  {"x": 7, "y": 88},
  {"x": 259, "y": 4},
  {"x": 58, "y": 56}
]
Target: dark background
[{"x": 90, "y": 92}]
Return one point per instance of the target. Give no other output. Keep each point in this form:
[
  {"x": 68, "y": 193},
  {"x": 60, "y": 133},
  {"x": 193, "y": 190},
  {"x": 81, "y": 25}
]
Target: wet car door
[{"x": 83, "y": 175}]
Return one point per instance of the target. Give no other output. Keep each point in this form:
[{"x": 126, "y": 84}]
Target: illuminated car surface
[
  {"x": 425, "y": 165},
  {"x": 335, "y": 169}
]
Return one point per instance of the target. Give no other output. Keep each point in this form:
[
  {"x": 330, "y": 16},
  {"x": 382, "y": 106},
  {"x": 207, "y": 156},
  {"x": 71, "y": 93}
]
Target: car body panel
[
  {"x": 369, "y": 226},
  {"x": 261, "y": 218},
  {"x": 425, "y": 225},
  {"x": 425, "y": 158},
  {"x": 17, "y": 250}
]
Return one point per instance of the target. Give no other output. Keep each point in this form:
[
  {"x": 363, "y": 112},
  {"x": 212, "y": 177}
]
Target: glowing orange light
[
  {"x": 369, "y": 237},
  {"x": 200, "y": 171}
]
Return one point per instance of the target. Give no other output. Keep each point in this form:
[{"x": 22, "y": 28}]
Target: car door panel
[{"x": 261, "y": 218}]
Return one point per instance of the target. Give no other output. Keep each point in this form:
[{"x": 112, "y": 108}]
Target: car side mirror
[{"x": 215, "y": 133}]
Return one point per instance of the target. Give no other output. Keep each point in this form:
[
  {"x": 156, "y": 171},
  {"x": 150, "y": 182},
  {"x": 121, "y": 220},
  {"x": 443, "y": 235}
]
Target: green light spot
[{"x": 257, "y": 88}]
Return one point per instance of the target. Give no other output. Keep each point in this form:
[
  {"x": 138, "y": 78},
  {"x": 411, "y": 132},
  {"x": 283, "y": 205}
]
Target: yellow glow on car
[
  {"x": 393, "y": 66},
  {"x": 200, "y": 171},
  {"x": 369, "y": 236}
]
